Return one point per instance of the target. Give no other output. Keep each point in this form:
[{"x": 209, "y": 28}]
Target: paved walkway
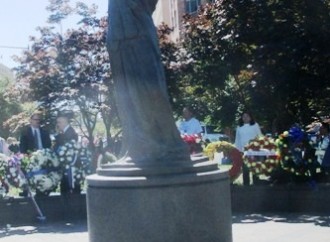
[{"x": 246, "y": 228}]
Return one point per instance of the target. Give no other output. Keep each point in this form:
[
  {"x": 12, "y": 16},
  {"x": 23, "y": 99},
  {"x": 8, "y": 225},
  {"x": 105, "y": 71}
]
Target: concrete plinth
[{"x": 162, "y": 208}]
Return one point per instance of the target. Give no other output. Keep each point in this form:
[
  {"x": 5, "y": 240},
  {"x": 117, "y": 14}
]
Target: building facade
[{"x": 170, "y": 12}]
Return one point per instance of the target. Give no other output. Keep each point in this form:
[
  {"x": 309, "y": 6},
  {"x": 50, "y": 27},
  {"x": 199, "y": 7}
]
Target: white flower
[
  {"x": 55, "y": 162},
  {"x": 78, "y": 145},
  {"x": 56, "y": 177},
  {"x": 46, "y": 183},
  {"x": 38, "y": 178},
  {"x": 12, "y": 170}
]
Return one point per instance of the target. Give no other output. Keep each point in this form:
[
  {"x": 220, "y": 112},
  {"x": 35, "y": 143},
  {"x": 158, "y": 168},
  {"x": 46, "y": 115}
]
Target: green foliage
[
  {"x": 18, "y": 120},
  {"x": 70, "y": 71},
  {"x": 270, "y": 57},
  {"x": 8, "y": 109}
]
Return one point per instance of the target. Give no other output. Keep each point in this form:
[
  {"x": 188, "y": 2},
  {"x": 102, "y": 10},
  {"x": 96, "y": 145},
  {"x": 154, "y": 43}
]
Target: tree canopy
[
  {"x": 269, "y": 57},
  {"x": 70, "y": 70}
]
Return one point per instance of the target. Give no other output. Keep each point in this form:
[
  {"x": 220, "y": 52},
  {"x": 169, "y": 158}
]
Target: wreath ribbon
[{"x": 70, "y": 171}]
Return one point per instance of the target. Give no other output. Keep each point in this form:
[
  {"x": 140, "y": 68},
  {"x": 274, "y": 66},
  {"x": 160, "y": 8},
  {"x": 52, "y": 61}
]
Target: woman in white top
[
  {"x": 247, "y": 130},
  {"x": 323, "y": 141}
]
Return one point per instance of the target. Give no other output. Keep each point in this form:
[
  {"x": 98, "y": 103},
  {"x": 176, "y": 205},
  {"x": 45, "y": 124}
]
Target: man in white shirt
[{"x": 189, "y": 125}]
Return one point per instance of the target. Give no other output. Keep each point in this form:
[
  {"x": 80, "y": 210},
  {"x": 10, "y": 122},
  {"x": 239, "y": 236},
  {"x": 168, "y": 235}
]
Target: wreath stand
[{"x": 40, "y": 216}]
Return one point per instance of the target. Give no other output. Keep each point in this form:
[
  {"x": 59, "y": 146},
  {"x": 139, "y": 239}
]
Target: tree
[
  {"x": 70, "y": 70},
  {"x": 267, "y": 56},
  {"x": 9, "y": 108}
]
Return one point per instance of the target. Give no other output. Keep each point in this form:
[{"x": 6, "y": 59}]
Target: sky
[{"x": 19, "y": 20}]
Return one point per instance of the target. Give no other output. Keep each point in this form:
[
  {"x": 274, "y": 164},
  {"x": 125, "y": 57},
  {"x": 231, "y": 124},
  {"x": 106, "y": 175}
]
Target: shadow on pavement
[
  {"x": 81, "y": 226},
  {"x": 60, "y": 227},
  {"x": 320, "y": 220}
]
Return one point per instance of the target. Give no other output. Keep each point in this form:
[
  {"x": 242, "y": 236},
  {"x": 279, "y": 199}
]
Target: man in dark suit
[
  {"x": 33, "y": 137},
  {"x": 66, "y": 132},
  {"x": 65, "y": 135}
]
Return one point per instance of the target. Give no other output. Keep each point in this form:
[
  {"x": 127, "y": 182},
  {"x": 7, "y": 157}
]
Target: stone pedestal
[{"x": 193, "y": 206}]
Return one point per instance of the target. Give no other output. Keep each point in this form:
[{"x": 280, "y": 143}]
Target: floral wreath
[
  {"x": 4, "y": 186},
  {"x": 42, "y": 170},
  {"x": 231, "y": 152},
  {"x": 10, "y": 173},
  {"x": 260, "y": 155},
  {"x": 296, "y": 152},
  {"x": 193, "y": 141},
  {"x": 14, "y": 174},
  {"x": 75, "y": 161}
]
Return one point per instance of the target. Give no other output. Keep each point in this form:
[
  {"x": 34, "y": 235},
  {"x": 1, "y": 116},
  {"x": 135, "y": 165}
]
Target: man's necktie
[{"x": 36, "y": 140}]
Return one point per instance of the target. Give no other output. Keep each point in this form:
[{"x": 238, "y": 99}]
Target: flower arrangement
[
  {"x": 231, "y": 152},
  {"x": 10, "y": 172},
  {"x": 4, "y": 186},
  {"x": 3, "y": 164},
  {"x": 261, "y": 143},
  {"x": 260, "y": 155},
  {"x": 296, "y": 152},
  {"x": 14, "y": 175},
  {"x": 219, "y": 146},
  {"x": 42, "y": 170},
  {"x": 75, "y": 161},
  {"x": 193, "y": 141}
]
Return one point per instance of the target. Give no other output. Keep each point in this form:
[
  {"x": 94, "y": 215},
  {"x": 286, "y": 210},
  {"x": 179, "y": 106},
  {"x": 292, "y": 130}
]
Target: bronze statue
[{"x": 150, "y": 135}]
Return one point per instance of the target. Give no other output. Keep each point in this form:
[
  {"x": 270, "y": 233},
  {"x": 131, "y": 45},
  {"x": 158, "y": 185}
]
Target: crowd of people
[{"x": 34, "y": 137}]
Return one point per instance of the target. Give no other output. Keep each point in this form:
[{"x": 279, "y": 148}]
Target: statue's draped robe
[{"x": 149, "y": 132}]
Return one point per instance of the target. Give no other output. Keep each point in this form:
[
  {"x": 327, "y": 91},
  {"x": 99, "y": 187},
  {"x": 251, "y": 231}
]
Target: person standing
[
  {"x": 323, "y": 141},
  {"x": 190, "y": 130},
  {"x": 325, "y": 163},
  {"x": 13, "y": 145},
  {"x": 247, "y": 130},
  {"x": 34, "y": 137},
  {"x": 4, "y": 146},
  {"x": 66, "y": 134},
  {"x": 190, "y": 125},
  {"x": 65, "y": 131}
]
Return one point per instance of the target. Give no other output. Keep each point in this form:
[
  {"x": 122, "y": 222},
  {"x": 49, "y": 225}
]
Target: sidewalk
[
  {"x": 246, "y": 228},
  {"x": 281, "y": 228}
]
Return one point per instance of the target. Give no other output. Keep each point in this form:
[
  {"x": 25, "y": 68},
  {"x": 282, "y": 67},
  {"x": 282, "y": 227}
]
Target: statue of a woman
[{"x": 150, "y": 135}]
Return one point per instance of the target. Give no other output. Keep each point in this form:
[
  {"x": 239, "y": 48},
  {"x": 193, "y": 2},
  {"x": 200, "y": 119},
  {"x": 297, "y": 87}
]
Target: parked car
[{"x": 212, "y": 133}]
